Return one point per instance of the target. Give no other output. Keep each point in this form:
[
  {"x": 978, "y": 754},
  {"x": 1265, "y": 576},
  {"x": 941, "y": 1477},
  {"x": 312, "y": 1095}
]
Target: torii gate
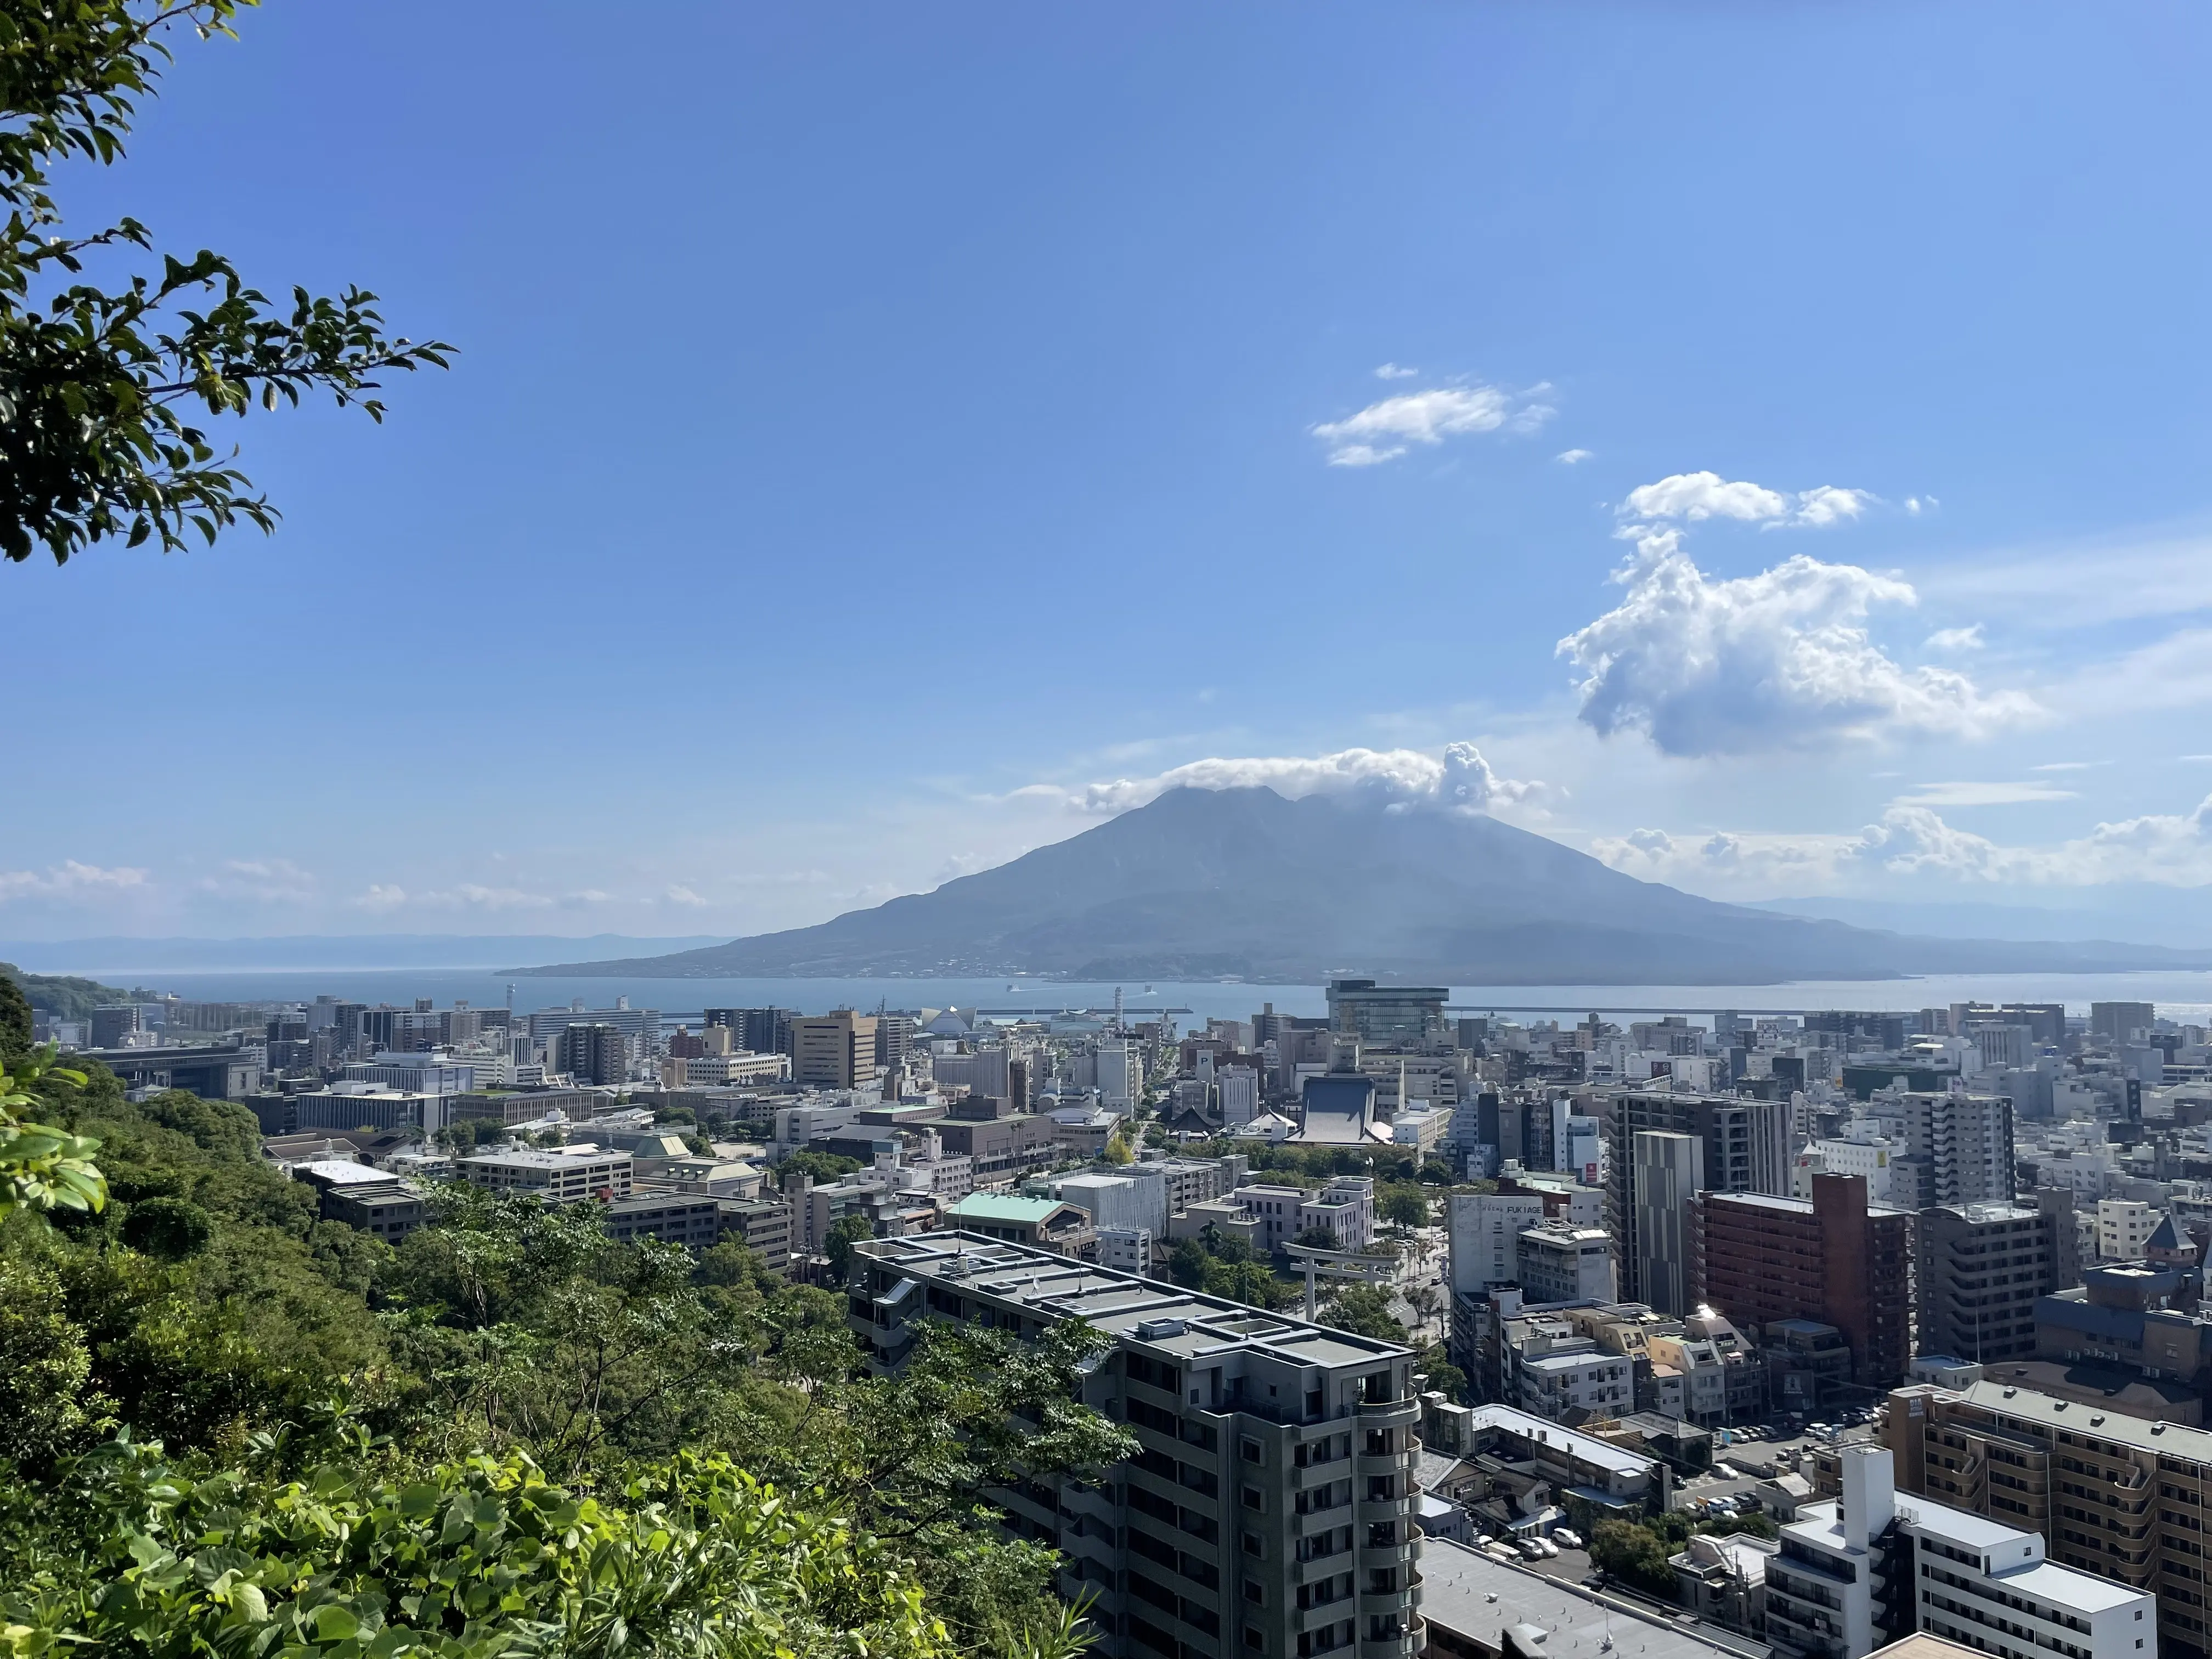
[{"x": 1341, "y": 1264}]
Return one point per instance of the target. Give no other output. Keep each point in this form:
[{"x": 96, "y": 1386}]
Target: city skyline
[{"x": 1468, "y": 380}]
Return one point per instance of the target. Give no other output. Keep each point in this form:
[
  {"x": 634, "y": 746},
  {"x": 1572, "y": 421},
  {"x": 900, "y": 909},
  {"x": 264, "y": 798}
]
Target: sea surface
[{"x": 2185, "y": 996}]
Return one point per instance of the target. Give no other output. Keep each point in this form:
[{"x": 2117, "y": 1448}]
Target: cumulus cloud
[
  {"x": 1571, "y": 457},
  {"x": 1395, "y": 372},
  {"x": 2172, "y": 849},
  {"x": 1956, "y": 638},
  {"x": 1460, "y": 780},
  {"x": 1383, "y": 431},
  {"x": 68, "y": 878},
  {"x": 678, "y": 893},
  {"x": 1775, "y": 660},
  {"x": 1693, "y": 497}
]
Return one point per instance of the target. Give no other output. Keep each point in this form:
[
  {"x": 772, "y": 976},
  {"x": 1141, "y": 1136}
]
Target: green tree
[
  {"x": 692, "y": 1559},
  {"x": 824, "y": 1167},
  {"x": 1634, "y": 1552},
  {"x": 1445, "y": 1377},
  {"x": 101, "y": 387},
  {"x": 845, "y": 1231},
  {"x": 1363, "y": 1310},
  {"x": 1402, "y": 1204}
]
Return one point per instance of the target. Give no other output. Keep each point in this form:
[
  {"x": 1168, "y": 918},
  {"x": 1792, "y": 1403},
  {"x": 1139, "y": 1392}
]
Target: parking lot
[{"x": 1780, "y": 1447}]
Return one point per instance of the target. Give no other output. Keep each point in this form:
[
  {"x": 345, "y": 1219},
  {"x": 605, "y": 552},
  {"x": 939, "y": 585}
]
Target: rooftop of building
[
  {"x": 1183, "y": 1324},
  {"x": 535, "y": 1158},
  {"x": 1793, "y": 1205},
  {"x": 2050, "y": 1414},
  {"x": 1003, "y": 1207},
  {"x": 1477, "y": 1595},
  {"x": 1587, "y": 1354},
  {"x": 2039, "y": 1577},
  {"x": 344, "y": 1172},
  {"x": 1589, "y": 1448}
]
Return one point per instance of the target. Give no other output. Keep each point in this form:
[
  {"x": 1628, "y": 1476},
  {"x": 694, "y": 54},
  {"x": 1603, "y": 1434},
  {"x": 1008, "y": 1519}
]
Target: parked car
[
  {"x": 1530, "y": 1550},
  {"x": 1573, "y": 1540},
  {"x": 1546, "y": 1548}
]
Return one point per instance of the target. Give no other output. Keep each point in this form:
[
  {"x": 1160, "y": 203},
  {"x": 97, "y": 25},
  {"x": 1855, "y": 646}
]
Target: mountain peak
[{"x": 1205, "y": 883}]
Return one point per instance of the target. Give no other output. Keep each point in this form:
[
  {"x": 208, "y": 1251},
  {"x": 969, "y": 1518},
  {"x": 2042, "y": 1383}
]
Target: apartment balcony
[
  {"x": 1390, "y": 1414},
  {"x": 1382, "y": 1463},
  {"x": 1401, "y": 1601},
  {"x": 1408, "y": 1645},
  {"x": 1384, "y": 1509}
]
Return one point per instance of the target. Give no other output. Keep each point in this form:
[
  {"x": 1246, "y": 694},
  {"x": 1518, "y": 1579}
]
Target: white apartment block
[
  {"x": 1564, "y": 1264},
  {"x": 1590, "y": 1380},
  {"x": 1877, "y": 1565},
  {"x": 2123, "y": 1225}
]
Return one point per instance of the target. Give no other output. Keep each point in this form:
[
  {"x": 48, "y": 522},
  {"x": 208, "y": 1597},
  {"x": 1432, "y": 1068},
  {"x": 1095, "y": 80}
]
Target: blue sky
[{"x": 875, "y": 426}]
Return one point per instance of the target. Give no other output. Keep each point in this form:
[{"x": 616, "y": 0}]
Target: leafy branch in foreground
[
  {"x": 100, "y": 387},
  {"x": 43, "y": 1168}
]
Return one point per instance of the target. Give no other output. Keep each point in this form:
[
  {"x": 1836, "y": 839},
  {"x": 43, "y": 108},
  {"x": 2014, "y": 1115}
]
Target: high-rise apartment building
[
  {"x": 591, "y": 1053},
  {"x": 835, "y": 1050},
  {"x": 2110, "y": 1494},
  {"x": 1834, "y": 1258},
  {"x": 1666, "y": 1171},
  {"x": 1955, "y": 1149},
  {"x": 1271, "y": 1508},
  {"x": 1979, "y": 1269},
  {"x": 1388, "y": 1016},
  {"x": 894, "y": 1039},
  {"x": 112, "y": 1022},
  {"x": 1744, "y": 1146}
]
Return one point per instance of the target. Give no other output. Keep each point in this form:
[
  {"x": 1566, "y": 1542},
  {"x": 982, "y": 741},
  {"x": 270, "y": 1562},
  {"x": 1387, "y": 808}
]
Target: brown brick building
[{"x": 1833, "y": 1258}]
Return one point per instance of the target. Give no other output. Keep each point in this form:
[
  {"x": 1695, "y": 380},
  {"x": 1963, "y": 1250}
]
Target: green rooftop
[{"x": 997, "y": 1206}]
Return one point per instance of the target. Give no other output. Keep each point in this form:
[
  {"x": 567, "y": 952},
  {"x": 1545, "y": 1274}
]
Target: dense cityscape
[{"x": 1722, "y": 1320}]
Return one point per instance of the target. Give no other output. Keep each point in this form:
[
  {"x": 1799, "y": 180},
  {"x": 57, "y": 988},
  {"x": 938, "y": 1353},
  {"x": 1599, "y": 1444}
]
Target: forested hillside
[{"x": 228, "y": 1426}]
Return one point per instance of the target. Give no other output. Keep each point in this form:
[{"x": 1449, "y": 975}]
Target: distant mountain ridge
[
  {"x": 116, "y": 953},
  {"x": 1206, "y": 884}
]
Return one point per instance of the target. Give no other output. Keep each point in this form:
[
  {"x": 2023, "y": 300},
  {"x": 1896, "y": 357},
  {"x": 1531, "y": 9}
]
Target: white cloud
[
  {"x": 1571, "y": 457},
  {"x": 1363, "y": 454},
  {"x": 1984, "y": 795},
  {"x": 1777, "y": 661},
  {"x": 1382, "y": 431},
  {"x": 1461, "y": 780},
  {"x": 69, "y": 877},
  {"x": 1824, "y": 505},
  {"x": 277, "y": 880},
  {"x": 678, "y": 893},
  {"x": 474, "y": 896},
  {"x": 1695, "y": 496},
  {"x": 1395, "y": 372},
  {"x": 2173, "y": 850},
  {"x": 1956, "y": 638},
  {"x": 2071, "y": 766}
]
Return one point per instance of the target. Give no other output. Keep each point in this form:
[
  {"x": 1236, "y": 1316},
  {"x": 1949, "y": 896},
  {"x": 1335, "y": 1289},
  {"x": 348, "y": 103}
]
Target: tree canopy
[
  {"x": 109, "y": 388},
  {"x": 226, "y": 1419}
]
